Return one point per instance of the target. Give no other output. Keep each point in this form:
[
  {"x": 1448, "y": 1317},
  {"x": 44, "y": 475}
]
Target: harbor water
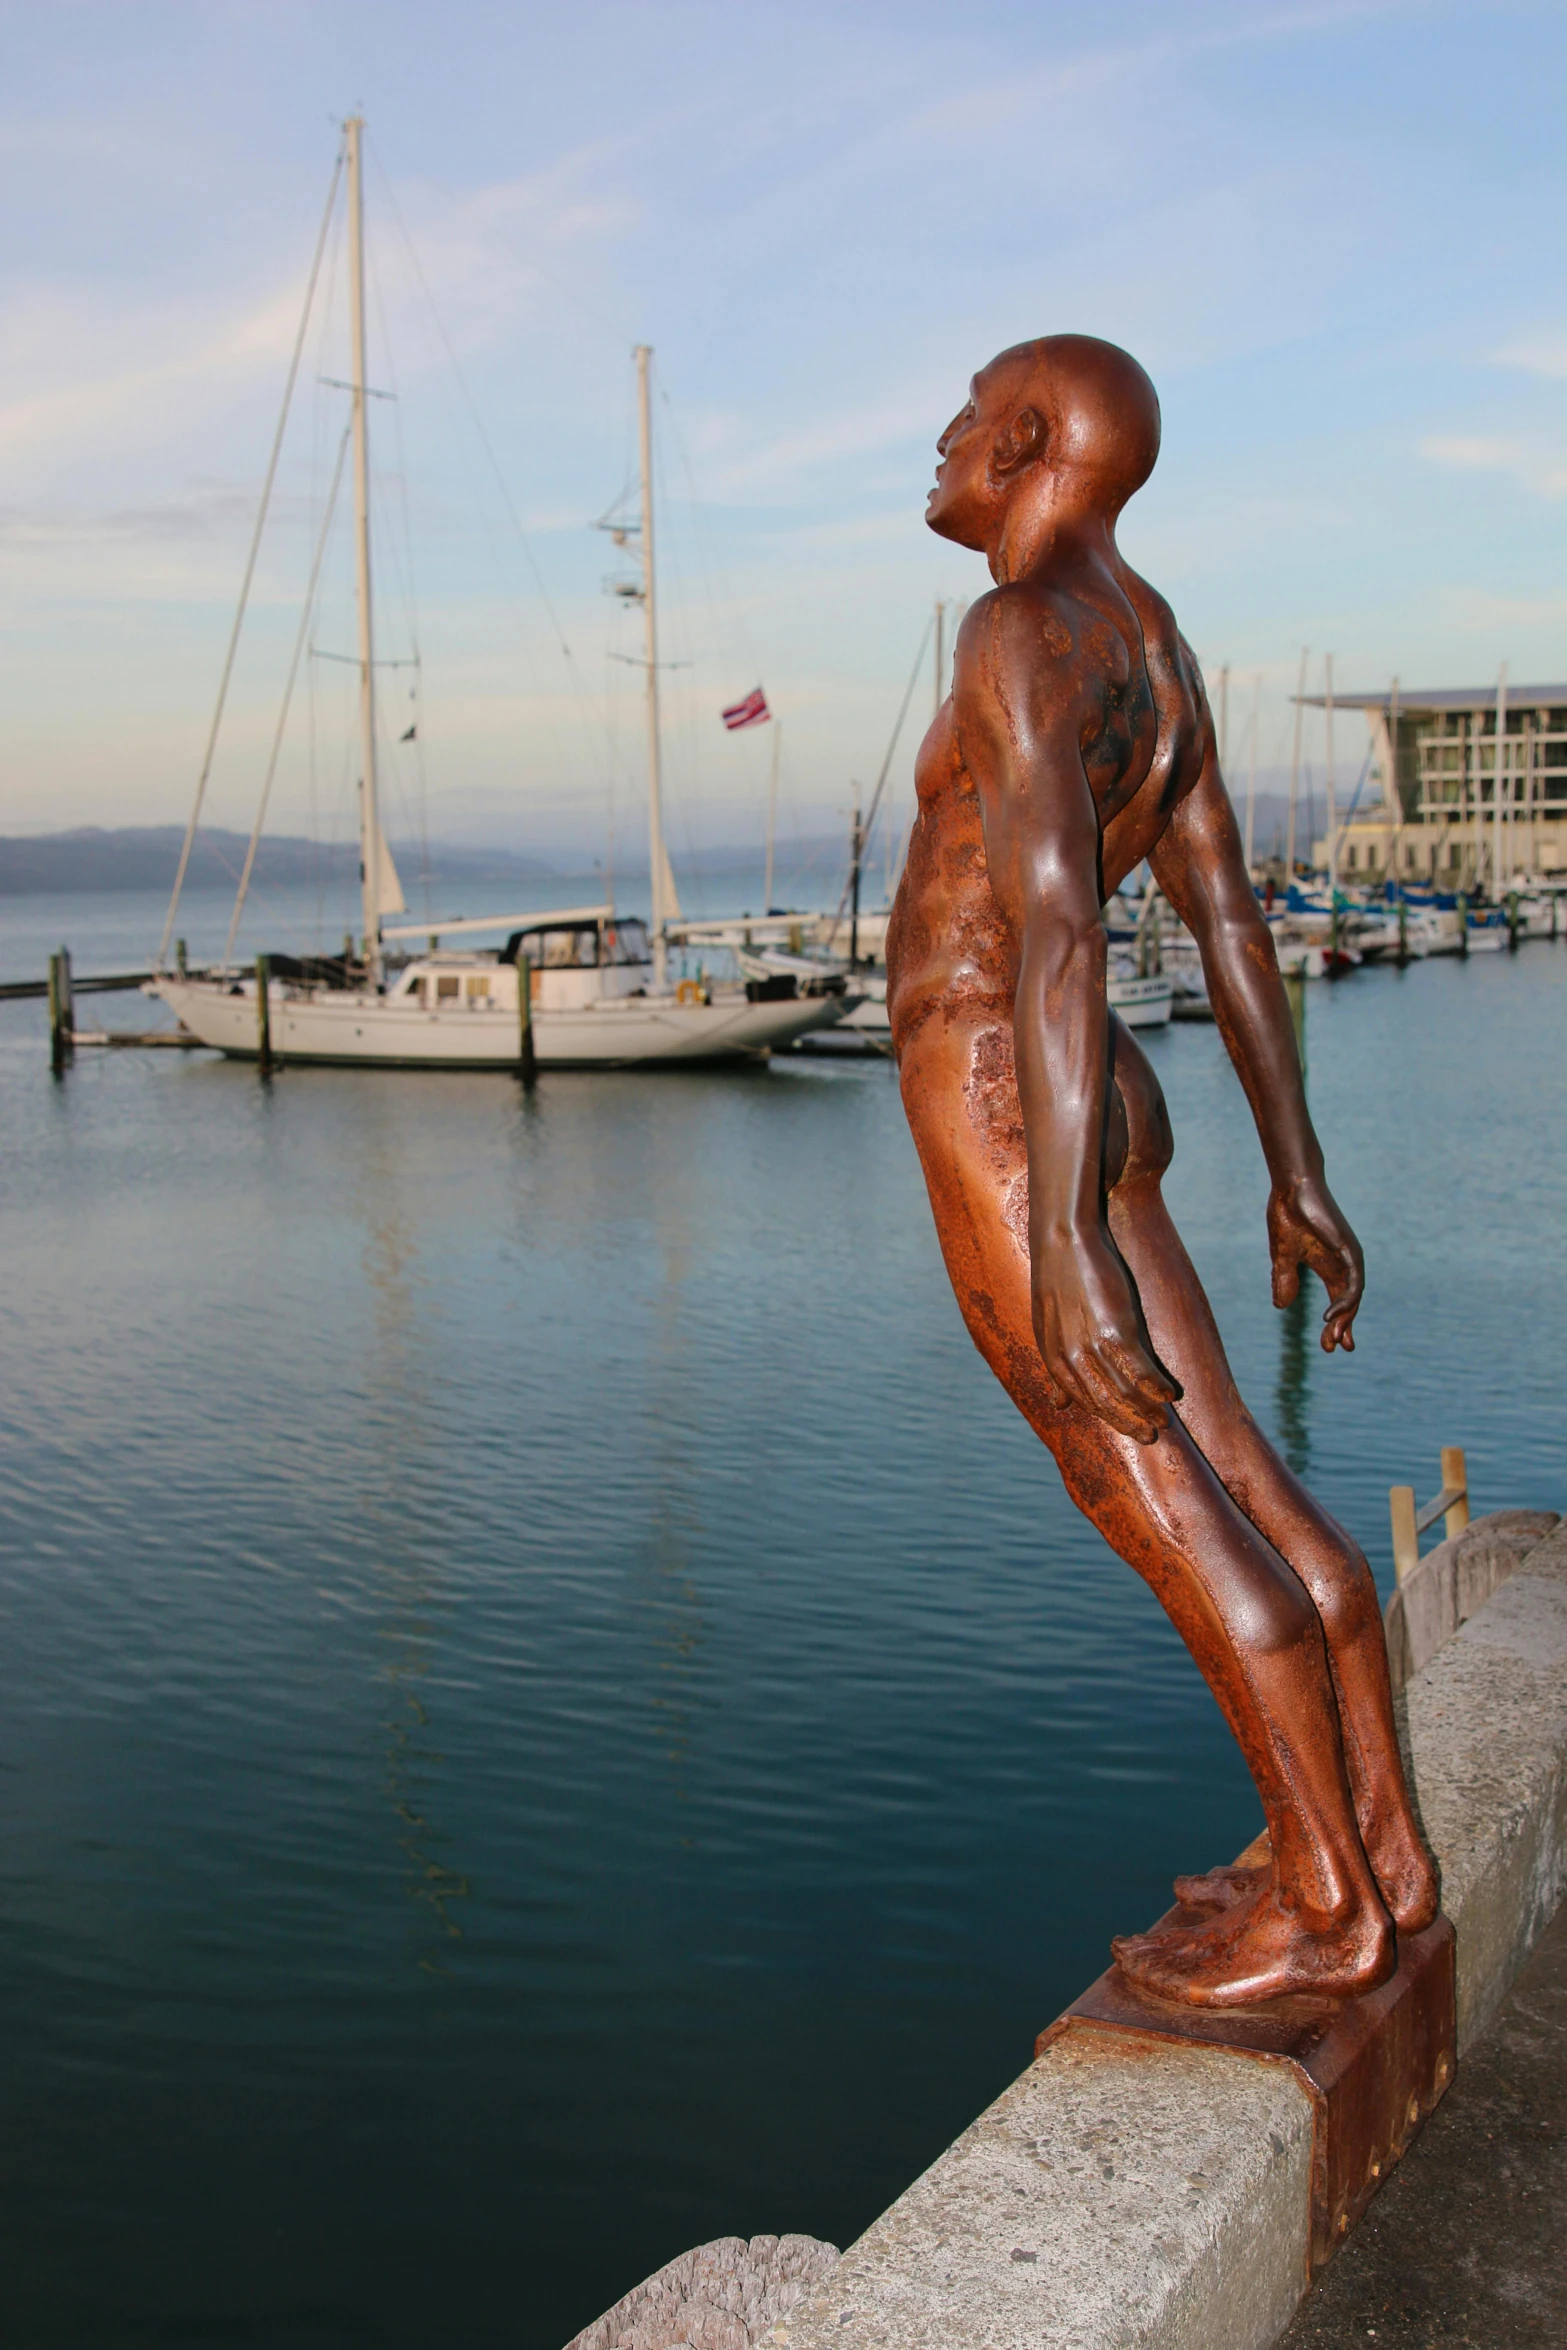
[{"x": 550, "y": 1709}]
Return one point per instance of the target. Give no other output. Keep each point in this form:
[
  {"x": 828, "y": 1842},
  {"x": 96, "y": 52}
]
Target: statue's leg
[
  {"x": 1333, "y": 1569},
  {"x": 1316, "y": 1921}
]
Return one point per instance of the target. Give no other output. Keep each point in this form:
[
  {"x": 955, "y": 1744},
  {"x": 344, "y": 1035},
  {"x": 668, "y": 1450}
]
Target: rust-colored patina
[
  {"x": 1374, "y": 2066},
  {"x": 1077, "y": 742}
]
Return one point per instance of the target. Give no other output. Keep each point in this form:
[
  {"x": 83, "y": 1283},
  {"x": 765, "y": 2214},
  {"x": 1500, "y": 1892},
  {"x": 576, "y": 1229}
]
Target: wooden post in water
[
  {"x": 1463, "y": 922},
  {"x": 1295, "y": 989},
  {"x": 264, "y": 1014},
  {"x": 527, "y": 1050},
  {"x": 181, "y": 959},
  {"x": 62, "y": 1012}
]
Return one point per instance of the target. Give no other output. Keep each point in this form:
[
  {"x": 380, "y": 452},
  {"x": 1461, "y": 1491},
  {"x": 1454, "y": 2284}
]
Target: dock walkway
[{"x": 1464, "y": 2245}]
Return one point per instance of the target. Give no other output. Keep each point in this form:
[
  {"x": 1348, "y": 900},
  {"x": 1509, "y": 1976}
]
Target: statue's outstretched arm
[
  {"x": 1201, "y": 867},
  {"x": 1019, "y": 708}
]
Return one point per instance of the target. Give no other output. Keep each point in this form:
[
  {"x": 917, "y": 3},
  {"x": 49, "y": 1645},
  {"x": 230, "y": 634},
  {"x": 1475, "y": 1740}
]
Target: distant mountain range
[
  {"x": 146, "y": 856},
  {"x": 94, "y": 858}
]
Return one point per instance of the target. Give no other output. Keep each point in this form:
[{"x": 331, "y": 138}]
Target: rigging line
[
  {"x": 410, "y": 589},
  {"x": 580, "y": 686},
  {"x": 473, "y": 412},
  {"x": 870, "y": 814},
  {"x": 288, "y": 692},
  {"x": 250, "y": 564},
  {"x": 702, "y": 531}
]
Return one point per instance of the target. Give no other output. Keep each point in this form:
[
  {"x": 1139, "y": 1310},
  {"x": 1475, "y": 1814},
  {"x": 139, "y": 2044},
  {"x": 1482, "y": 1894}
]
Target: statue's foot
[
  {"x": 1404, "y": 1870},
  {"x": 1217, "y": 1888},
  {"x": 1256, "y": 1949}
]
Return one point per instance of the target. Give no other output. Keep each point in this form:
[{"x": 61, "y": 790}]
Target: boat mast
[
  {"x": 1327, "y": 711},
  {"x": 1289, "y": 846},
  {"x": 369, "y": 813},
  {"x": 658, "y": 859},
  {"x": 1498, "y": 858}
]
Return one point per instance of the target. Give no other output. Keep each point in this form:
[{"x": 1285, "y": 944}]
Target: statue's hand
[
  {"x": 1091, "y": 1335},
  {"x": 1307, "y": 1227}
]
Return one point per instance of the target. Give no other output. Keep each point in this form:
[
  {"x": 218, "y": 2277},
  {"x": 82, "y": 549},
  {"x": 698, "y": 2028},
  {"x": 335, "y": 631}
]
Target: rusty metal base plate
[{"x": 1374, "y": 2066}]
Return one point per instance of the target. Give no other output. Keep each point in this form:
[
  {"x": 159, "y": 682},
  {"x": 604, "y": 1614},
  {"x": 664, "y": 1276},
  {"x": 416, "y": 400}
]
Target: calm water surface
[{"x": 550, "y": 1707}]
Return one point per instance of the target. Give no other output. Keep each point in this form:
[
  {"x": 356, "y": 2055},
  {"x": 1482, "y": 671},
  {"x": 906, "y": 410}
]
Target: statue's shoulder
[{"x": 1020, "y": 629}]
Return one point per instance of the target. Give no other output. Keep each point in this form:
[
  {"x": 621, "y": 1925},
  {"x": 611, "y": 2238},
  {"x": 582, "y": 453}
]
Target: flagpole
[{"x": 772, "y": 815}]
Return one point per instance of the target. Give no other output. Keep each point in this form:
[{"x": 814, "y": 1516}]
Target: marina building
[{"x": 1428, "y": 807}]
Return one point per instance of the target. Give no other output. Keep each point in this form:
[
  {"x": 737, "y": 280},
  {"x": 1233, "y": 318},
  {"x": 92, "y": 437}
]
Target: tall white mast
[
  {"x": 1251, "y": 772},
  {"x": 666, "y": 906},
  {"x": 369, "y": 813},
  {"x": 1300, "y": 704},
  {"x": 1498, "y": 855},
  {"x": 1327, "y": 712}
]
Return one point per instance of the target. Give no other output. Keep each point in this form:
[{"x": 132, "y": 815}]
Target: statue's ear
[{"x": 1019, "y": 442}]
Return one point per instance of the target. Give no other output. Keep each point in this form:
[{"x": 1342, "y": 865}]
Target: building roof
[{"x": 1447, "y": 697}]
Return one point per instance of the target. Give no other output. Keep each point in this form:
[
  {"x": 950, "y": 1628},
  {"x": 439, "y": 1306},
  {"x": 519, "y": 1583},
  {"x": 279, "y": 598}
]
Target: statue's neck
[{"x": 1051, "y": 535}]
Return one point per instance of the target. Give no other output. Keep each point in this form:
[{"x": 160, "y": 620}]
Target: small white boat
[{"x": 1142, "y": 1003}]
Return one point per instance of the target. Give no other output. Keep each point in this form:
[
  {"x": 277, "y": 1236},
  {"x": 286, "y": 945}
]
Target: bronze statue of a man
[{"x": 1077, "y": 742}]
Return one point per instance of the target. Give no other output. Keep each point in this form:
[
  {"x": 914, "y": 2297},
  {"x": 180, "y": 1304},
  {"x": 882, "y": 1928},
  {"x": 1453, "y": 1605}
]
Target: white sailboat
[{"x": 598, "y": 988}]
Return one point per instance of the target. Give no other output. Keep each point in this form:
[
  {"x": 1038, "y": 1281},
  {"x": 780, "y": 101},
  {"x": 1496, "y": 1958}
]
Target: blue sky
[{"x": 1332, "y": 232}]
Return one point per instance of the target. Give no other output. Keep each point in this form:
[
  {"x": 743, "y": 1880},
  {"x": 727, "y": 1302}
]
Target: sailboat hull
[{"x": 347, "y": 1030}]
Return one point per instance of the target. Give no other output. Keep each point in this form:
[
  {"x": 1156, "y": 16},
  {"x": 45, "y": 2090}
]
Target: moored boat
[{"x": 601, "y": 991}]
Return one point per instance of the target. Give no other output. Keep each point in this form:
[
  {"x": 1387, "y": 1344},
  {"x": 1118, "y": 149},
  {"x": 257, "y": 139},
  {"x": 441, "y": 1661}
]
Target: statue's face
[{"x": 962, "y": 503}]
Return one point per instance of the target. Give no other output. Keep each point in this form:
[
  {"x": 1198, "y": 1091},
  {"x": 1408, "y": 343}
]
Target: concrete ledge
[
  {"x": 1117, "y": 2197},
  {"x": 1487, "y": 1730},
  {"x": 1454, "y": 1581},
  {"x": 1115, "y": 2194}
]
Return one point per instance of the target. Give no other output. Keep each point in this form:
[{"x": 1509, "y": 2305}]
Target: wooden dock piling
[
  {"x": 527, "y": 1051},
  {"x": 1295, "y": 990},
  {"x": 62, "y": 1011},
  {"x": 264, "y": 1014}
]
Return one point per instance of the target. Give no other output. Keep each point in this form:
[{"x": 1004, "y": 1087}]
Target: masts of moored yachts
[
  {"x": 658, "y": 861},
  {"x": 369, "y": 813}
]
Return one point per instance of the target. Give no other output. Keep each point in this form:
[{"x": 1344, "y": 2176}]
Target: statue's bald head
[
  {"x": 1100, "y": 411},
  {"x": 1082, "y": 410}
]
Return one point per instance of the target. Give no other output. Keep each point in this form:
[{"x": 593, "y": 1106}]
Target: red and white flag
[{"x": 753, "y": 711}]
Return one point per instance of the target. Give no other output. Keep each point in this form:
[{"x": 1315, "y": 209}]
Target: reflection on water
[
  {"x": 532, "y": 1638},
  {"x": 1299, "y": 1323}
]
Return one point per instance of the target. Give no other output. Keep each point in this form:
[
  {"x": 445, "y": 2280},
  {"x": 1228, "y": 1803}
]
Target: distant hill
[{"x": 146, "y": 856}]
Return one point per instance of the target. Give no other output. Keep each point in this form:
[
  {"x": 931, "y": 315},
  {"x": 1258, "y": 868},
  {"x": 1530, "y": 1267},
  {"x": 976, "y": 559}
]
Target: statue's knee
[
  {"x": 1282, "y": 1615},
  {"x": 1346, "y": 1597}
]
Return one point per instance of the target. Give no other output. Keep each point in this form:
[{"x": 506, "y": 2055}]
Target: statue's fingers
[
  {"x": 1115, "y": 1400},
  {"x": 1286, "y": 1280},
  {"x": 1143, "y": 1372},
  {"x": 1338, "y": 1326}
]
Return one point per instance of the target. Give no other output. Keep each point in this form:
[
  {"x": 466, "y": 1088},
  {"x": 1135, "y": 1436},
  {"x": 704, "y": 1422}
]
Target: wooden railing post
[
  {"x": 1409, "y": 1523},
  {"x": 1455, "y": 1479}
]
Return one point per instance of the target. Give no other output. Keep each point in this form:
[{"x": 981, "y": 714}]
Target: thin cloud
[
  {"x": 1539, "y": 354},
  {"x": 1532, "y": 462}
]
